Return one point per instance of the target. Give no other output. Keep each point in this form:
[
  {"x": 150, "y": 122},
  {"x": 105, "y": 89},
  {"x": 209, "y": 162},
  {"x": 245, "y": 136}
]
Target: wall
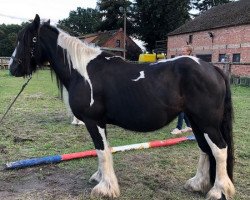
[{"x": 229, "y": 40}]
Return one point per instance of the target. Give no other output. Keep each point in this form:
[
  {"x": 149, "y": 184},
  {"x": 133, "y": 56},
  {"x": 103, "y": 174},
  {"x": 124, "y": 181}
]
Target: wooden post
[
  {"x": 4, "y": 62},
  {"x": 227, "y": 66},
  {"x": 1, "y": 63}
]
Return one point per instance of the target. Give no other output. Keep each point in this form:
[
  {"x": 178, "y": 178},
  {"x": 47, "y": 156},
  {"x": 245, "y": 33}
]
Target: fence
[
  {"x": 4, "y": 62},
  {"x": 236, "y": 79}
]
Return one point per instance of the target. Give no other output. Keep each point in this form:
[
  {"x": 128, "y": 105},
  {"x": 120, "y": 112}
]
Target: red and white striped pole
[{"x": 92, "y": 153}]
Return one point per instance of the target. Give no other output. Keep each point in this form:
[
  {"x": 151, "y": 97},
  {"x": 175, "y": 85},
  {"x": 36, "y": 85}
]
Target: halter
[
  {"x": 32, "y": 51},
  {"x": 19, "y": 61}
]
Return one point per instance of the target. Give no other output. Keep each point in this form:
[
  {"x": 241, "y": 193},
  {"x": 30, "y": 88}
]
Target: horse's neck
[
  {"x": 62, "y": 67},
  {"x": 55, "y": 56},
  {"x": 67, "y": 53}
]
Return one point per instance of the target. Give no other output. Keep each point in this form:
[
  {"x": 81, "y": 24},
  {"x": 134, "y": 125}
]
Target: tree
[
  {"x": 81, "y": 21},
  {"x": 156, "y": 18},
  {"x": 112, "y": 13},
  {"x": 204, "y": 5},
  {"x": 8, "y": 37}
]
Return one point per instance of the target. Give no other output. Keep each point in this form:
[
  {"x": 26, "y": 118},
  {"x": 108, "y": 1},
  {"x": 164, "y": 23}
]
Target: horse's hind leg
[
  {"x": 212, "y": 166},
  {"x": 223, "y": 184},
  {"x": 108, "y": 184}
]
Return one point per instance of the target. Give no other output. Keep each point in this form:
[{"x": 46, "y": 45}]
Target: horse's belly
[{"x": 141, "y": 122}]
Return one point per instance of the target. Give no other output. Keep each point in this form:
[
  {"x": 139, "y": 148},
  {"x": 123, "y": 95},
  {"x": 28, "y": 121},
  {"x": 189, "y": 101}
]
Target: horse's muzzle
[{"x": 15, "y": 70}]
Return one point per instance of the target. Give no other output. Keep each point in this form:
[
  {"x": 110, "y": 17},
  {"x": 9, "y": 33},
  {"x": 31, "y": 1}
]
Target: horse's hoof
[
  {"x": 215, "y": 194},
  {"x": 222, "y": 190},
  {"x": 103, "y": 189},
  {"x": 194, "y": 185}
]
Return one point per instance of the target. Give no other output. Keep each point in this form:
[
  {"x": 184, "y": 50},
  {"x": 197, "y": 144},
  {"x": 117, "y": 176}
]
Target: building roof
[
  {"x": 226, "y": 15},
  {"x": 99, "y": 38}
]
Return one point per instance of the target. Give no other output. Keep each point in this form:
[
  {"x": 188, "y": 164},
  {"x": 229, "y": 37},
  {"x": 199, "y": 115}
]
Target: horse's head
[{"x": 24, "y": 59}]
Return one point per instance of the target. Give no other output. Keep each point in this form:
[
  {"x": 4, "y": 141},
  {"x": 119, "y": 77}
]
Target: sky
[{"x": 18, "y": 11}]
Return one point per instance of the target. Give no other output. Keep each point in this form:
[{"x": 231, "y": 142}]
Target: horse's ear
[
  {"x": 47, "y": 22},
  {"x": 36, "y": 22}
]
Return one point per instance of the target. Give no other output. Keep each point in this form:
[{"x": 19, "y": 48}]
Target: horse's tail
[{"x": 226, "y": 125}]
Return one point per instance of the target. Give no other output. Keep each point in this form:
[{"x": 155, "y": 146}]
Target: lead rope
[{"x": 24, "y": 85}]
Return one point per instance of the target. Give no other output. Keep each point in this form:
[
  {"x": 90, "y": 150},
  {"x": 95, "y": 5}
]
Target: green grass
[{"x": 41, "y": 117}]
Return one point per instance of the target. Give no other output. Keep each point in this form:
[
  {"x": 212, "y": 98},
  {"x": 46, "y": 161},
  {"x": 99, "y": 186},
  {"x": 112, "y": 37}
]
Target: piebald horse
[{"x": 105, "y": 89}]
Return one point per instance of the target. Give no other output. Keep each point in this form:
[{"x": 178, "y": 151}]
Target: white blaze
[{"x": 13, "y": 55}]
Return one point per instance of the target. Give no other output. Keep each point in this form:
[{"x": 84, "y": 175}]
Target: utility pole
[
  {"x": 125, "y": 34},
  {"x": 124, "y": 10}
]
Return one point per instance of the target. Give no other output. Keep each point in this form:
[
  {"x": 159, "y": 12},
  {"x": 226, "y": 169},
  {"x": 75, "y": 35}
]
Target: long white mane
[{"x": 79, "y": 53}]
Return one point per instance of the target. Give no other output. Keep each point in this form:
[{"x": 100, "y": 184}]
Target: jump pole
[{"x": 92, "y": 153}]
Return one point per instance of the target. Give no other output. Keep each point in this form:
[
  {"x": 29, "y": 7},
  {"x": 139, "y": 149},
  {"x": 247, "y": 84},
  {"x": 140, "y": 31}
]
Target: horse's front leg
[{"x": 108, "y": 184}]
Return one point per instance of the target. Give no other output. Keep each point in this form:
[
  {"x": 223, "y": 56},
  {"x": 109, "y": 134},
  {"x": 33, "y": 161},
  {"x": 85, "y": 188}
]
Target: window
[
  {"x": 222, "y": 57},
  {"x": 205, "y": 57},
  {"x": 236, "y": 57},
  {"x": 190, "y": 39},
  {"x": 118, "y": 43}
]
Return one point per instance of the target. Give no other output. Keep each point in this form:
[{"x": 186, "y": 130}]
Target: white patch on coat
[
  {"x": 76, "y": 121},
  {"x": 141, "y": 76},
  {"x": 80, "y": 54},
  {"x": 65, "y": 95},
  {"x": 102, "y": 133},
  {"x": 222, "y": 183},
  {"x": 197, "y": 60},
  {"x": 108, "y": 185},
  {"x": 108, "y": 58},
  {"x": 201, "y": 181}
]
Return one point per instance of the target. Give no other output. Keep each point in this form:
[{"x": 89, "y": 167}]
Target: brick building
[
  {"x": 114, "y": 41},
  {"x": 222, "y": 31}
]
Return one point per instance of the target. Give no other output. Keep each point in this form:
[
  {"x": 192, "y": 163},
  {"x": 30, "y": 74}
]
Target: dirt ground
[
  {"x": 57, "y": 182},
  {"x": 46, "y": 182}
]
